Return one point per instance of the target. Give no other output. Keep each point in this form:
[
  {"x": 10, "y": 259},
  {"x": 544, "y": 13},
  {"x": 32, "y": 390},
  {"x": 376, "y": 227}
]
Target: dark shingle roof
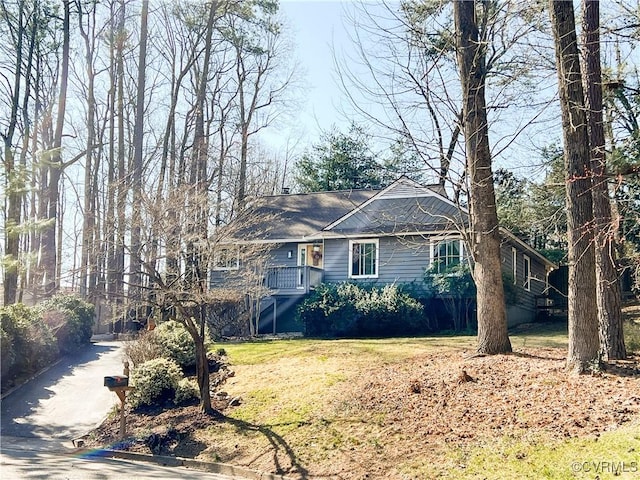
[
  {"x": 301, "y": 215},
  {"x": 402, "y": 215},
  {"x": 403, "y": 207}
]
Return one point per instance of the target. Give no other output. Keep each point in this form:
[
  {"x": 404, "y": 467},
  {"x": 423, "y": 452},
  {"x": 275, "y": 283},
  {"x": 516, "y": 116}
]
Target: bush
[
  {"x": 455, "y": 287},
  {"x": 632, "y": 336},
  {"x": 387, "y": 311},
  {"x": 155, "y": 382},
  {"x": 144, "y": 348},
  {"x": 330, "y": 310},
  {"x": 350, "y": 309},
  {"x": 177, "y": 343},
  {"x": 227, "y": 314},
  {"x": 187, "y": 391},
  {"x": 28, "y": 344},
  {"x": 71, "y": 320}
]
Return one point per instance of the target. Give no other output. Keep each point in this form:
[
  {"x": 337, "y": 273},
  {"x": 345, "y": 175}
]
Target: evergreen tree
[{"x": 340, "y": 161}]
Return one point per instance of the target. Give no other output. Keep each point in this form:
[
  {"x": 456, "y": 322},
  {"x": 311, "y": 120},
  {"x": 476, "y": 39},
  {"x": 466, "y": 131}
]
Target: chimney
[{"x": 285, "y": 190}]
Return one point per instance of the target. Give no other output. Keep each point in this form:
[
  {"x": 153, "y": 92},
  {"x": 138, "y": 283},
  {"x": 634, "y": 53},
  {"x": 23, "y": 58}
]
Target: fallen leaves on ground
[{"x": 402, "y": 412}]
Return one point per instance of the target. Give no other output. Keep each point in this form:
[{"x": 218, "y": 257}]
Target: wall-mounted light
[{"x": 290, "y": 254}]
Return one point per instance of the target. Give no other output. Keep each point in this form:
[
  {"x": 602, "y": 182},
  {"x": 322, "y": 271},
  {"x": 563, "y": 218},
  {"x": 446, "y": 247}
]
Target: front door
[{"x": 309, "y": 254}]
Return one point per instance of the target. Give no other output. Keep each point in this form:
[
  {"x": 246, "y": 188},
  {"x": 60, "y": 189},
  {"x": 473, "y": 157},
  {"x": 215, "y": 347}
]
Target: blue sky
[
  {"x": 317, "y": 25},
  {"x": 317, "y": 28}
]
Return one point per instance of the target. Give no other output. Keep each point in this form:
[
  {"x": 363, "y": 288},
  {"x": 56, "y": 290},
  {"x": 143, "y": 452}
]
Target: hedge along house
[{"x": 379, "y": 237}]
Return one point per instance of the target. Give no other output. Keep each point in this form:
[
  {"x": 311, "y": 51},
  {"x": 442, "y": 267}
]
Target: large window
[
  {"x": 446, "y": 253},
  {"x": 363, "y": 258},
  {"x": 227, "y": 258}
]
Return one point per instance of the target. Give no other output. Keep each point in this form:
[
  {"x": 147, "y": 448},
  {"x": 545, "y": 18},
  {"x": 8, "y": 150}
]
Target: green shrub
[
  {"x": 388, "y": 311},
  {"x": 632, "y": 336},
  {"x": 187, "y": 391},
  {"x": 455, "y": 287},
  {"x": 354, "y": 310},
  {"x": 155, "y": 382},
  {"x": 328, "y": 310},
  {"x": 177, "y": 343},
  {"x": 28, "y": 344},
  {"x": 71, "y": 319}
]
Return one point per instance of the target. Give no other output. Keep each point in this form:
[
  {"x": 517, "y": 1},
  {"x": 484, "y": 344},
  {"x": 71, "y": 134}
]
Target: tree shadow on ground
[
  {"x": 551, "y": 356},
  {"x": 629, "y": 367},
  {"x": 278, "y": 443},
  {"x": 21, "y": 403}
]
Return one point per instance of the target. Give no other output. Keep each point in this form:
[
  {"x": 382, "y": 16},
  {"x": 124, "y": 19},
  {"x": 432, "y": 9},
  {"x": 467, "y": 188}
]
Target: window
[
  {"x": 527, "y": 273},
  {"x": 446, "y": 253},
  {"x": 227, "y": 258},
  {"x": 514, "y": 264},
  {"x": 363, "y": 259}
]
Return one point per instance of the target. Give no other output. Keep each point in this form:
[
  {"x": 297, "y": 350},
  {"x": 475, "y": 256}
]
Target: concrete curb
[{"x": 212, "y": 467}]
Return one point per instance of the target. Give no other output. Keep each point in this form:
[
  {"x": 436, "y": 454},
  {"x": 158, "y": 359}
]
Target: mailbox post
[{"x": 120, "y": 385}]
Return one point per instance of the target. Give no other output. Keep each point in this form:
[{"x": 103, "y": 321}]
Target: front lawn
[{"x": 402, "y": 408}]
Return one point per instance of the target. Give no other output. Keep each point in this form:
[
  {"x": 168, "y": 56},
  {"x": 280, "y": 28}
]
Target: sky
[
  {"x": 319, "y": 27},
  {"x": 316, "y": 25}
]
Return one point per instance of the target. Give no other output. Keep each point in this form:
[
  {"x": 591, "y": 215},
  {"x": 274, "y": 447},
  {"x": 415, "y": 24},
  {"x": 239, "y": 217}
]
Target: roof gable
[{"x": 403, "y": 207}]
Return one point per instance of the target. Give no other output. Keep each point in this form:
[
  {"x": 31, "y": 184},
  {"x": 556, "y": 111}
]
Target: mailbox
[{"x": 115, "y": 381}]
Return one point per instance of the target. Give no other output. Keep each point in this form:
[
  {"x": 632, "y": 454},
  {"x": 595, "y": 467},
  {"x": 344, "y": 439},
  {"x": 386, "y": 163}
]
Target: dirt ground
[{"x": 417, "y": 407}]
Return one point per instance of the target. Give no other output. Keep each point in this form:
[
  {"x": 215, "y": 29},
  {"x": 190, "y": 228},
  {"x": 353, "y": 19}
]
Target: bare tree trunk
[
  {"x": 89, "y": 256},
  {"x": 122, "y": 187},
  {"x": 135, "y": 265},
  {"x": 196, "y": 328},
  {"x": 34, "y": 234},
  {"x": 583, "y": 351},
  {"x": 49, "y": 252},
  {"x": 12, "y": 179},
  {"x": 485, "y": 236},
  {"x": 112, "y": 224},
  {"x": 608, "y": 284},
  {"x": 29, "y": 137},
  {"x": 196, "y": 270}
]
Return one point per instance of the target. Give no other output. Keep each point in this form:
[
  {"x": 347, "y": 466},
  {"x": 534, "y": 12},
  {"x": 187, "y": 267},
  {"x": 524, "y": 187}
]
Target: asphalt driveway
[
  {"x": 40, "y": 420},
  {"x": 66, "y": 401}
]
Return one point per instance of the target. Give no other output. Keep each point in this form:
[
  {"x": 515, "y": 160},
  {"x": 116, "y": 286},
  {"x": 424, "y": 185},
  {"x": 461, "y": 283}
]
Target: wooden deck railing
[{"x": 293, "y": 280}]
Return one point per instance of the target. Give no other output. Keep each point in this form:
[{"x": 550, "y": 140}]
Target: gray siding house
[{"x": 388, "y": 236}]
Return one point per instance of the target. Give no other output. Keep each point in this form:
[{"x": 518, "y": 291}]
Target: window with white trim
[
  {"x": 514, "y": 261},
  {"x": 363, "y": 258},
  {"x": 446, "y": 254},
  {"x": 227, "y": 258},
  {"x": 527, "y": 273}
]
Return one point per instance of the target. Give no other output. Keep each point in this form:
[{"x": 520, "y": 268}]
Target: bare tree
[
  {"x": 14, "y": 178},
  {"x": 89, "y": 263},
  {"x": 484, "y": 235},
  {"x": 399, "y": 74},
  {"x": 608, "y": 285},
  {"x": 261, "y": 81},
  {"x": 187, "y": 300},
  {"x": 583, "y": 351},
  {"x": 115, "y": 219},
  {"x": 135, "y": 254},
  {"x": 52, "y": 170}
]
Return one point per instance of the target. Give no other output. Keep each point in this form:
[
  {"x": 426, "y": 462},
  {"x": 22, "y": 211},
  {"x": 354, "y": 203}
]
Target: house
[{"x": 370, "y": 236}]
